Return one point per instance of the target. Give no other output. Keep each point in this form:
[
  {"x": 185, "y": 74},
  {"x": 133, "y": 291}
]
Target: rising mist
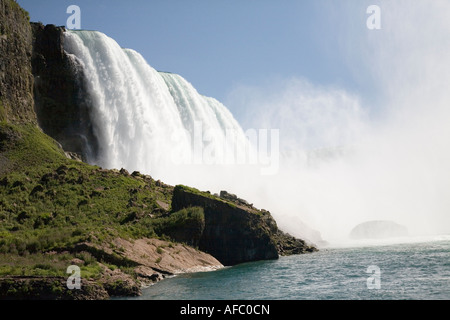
[
  {"x": 349, "y": 157},
  {"x": 343, "y": 156}
]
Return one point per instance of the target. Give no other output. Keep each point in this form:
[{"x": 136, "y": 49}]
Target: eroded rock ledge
[{"x": 235, "y": 231}]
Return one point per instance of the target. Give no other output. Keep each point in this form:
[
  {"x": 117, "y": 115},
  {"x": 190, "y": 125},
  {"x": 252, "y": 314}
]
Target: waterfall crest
[{"x": 147, "y": 120}]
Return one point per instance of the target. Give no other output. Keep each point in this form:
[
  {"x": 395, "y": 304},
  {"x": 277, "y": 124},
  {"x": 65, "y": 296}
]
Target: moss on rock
[{"x": 16, "y": 79}]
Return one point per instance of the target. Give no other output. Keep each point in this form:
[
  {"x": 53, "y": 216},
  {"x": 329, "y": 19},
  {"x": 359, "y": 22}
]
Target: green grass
[
  {"x": 39, "y": 264},
  {"x": 49, "y": 203},
  {"x": 213, "y": 197},
  {"x": 196, "y": 191},
  {"x": 203, "y": 194},
  {"x": 177, "y": 220},
  {"x": 29, "y": 149}
]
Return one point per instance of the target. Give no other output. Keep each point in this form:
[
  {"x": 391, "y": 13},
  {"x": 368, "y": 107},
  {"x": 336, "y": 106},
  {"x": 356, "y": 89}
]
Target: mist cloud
[{"x": 341, "y": 165}]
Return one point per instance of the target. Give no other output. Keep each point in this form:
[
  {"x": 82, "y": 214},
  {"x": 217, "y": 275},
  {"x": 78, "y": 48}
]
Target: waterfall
[
  {"x": 146, "y": 120},
  {"x": 157, "y": 123}
]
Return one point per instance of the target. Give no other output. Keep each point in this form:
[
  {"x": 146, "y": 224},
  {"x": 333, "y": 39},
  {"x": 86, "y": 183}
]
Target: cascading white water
[
  {"x": 157, "y": 123},
  {"x": 221, "y": 132},
  {"x": 146, "y": 120}
]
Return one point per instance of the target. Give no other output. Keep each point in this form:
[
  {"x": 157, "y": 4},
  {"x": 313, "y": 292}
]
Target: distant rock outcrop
[
  {"x": 236, "y": 233},
  {"x": 378, "y": 230}
]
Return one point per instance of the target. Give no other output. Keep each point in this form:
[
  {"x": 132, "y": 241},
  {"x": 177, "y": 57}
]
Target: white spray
[{"x": 338, "y": 166}]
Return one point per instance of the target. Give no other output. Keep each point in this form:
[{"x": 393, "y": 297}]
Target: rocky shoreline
[
  {"x": 232, "y": 233},
  {"x": 153, "y": 261}
]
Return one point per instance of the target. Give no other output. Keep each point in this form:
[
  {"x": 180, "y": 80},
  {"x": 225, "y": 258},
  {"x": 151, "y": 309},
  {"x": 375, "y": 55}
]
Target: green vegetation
[
  {"x": 213, "y": 197},
  {"x": 178, "y": 220},
  {"x": 17, "y": 8},
  {"x": 16, "y": 12},
  {"x": 196, "y": 191},
  {"x": 2, "y": 110},
  {"x": 203, "y": 194},
  {"x": 47, "y": 264},
  {"x": 50, "y": 204},
  {"x": 29, "y": 149}
]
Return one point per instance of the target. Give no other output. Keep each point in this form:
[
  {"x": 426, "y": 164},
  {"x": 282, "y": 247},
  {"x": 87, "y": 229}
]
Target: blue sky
[{"x": 218, "y": 45}]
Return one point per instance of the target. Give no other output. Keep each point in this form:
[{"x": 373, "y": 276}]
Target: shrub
[{"x": 185, "y": 225}]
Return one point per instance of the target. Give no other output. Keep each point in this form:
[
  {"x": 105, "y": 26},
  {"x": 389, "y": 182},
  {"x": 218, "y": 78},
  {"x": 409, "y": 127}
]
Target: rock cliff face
[
  {"x": 62, "y": 106},
  {"x": 236, "y": 233},
  {"x": 16, "y": 80}
]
